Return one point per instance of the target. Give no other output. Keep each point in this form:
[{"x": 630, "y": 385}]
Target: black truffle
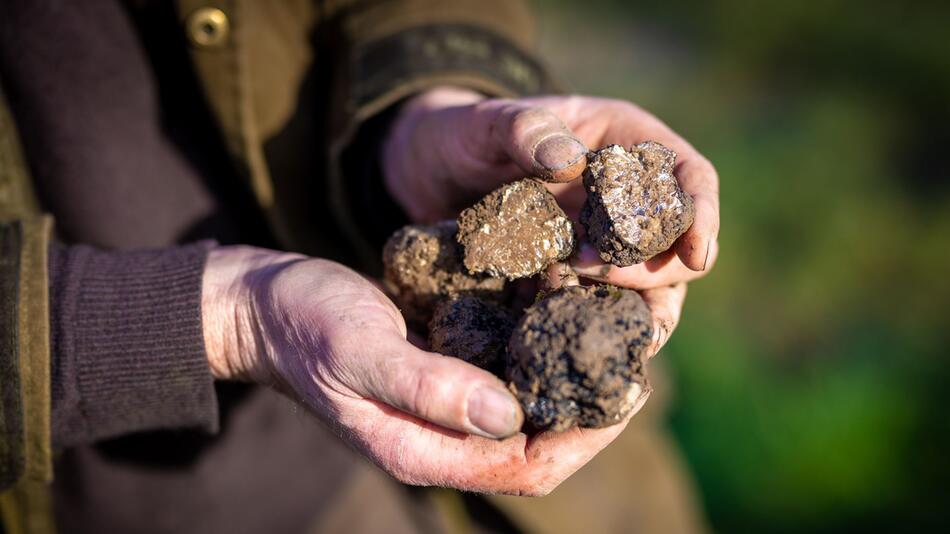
[
  {"x": 576, "y": 357},
  {"x": 472, "y": 329}
]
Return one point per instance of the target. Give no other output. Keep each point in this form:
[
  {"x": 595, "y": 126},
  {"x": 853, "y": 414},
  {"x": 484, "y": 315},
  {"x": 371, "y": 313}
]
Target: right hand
[
  {"x": 328, "y": 338},
  {"x": 474, "y": 144}
]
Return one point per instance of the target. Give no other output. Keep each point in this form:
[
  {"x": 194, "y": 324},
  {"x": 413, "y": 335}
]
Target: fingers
[
  {"x": 417, "y": 453},
  {"x": 663, "y": 270},
  {"x": 533, "y": 137},
  {"x": 558, "y": 275},
  {"x": 627, "y": 124},
  {"x": 698, "y": 178},
  {"x": 666, "y": 306},
  {"x": 443, "y": 390}
]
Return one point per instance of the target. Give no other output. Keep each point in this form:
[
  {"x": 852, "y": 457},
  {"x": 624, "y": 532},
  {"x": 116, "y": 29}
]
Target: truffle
[
  {"x": 472, "y": 329},
  {"x": 423, "y": 264},
  {"x": 576, "y": 357},
  {"x": 516, "y": 231},
  {"x": 635, "y": 208}
]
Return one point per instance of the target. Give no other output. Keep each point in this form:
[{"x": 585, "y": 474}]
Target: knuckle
[
  {"x": 574, "y": 102},
  {"x": 423, "y": 393},
  {"x": 531, "y": 118},
  {"x": 709, "y": 168},
  {"x": 629, "y": 109},
  {"x": 417, "y": 391}
]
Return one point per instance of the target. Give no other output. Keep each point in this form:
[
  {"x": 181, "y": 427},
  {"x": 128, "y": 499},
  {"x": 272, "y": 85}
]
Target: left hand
[{"x": 450, "y": 146}]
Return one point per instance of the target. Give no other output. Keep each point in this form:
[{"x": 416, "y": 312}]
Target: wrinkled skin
[
  {"x": 473, "y": 145},
  {"x": 330, "y": 339}
]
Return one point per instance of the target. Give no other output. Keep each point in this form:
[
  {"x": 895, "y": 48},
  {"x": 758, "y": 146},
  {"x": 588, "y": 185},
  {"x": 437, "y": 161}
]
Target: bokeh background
[{"x": 811, "y": 369}]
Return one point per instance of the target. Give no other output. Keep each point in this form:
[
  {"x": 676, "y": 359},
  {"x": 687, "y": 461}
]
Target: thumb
[
  {"x": 440, "y": 389},
  {"x": 531, "y": 136}
]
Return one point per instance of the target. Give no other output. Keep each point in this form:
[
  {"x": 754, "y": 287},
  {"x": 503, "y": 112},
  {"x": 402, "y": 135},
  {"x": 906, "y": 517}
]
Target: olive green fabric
[
  {"x": 267, "y": 84},
  {"x": 27, "y": 506},
  {"x": 16, "y": 190},
  {"x": 285, "y": 126},
  {"x": 266, "y": 81},
  {"x": 26, "y": 466},
  {"x": 12, "y": 449}
]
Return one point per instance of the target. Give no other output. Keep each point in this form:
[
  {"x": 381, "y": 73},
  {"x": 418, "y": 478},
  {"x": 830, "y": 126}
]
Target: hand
[
  {"x": 328, "y": 338},
  {"x": 451, "y": 146}
]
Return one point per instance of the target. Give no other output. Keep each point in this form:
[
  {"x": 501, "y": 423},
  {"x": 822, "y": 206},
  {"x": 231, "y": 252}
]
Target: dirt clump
[
  {"x": 515, "y": 231},
  {"x": 423, "y": 265},
  {"x": 635, "y": 208},
  {"x": 576, "y": 357},
  {"x": 472, "y": 329}
]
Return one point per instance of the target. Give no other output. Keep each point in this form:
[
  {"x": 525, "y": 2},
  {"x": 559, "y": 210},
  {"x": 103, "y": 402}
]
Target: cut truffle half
[
  {"x": 515, "y": 231},
  {"x": 635, "y": 208}
]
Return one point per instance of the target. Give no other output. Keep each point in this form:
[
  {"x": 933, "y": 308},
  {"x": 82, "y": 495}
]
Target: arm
[{"x": 127, "y": 344}]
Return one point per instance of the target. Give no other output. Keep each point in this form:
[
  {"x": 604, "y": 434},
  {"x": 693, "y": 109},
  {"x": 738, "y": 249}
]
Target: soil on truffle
[
  {"x": 576, "y": 357},
  {"x": 472, "y": 329},
  {"x": 423, "y": 264},
  {"x": 515, "y": 231},
  {"x": 635, "y": 208}
]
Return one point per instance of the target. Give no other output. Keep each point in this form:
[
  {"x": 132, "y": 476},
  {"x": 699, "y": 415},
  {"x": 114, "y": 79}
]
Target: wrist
[{"x": 233, "y": 278}]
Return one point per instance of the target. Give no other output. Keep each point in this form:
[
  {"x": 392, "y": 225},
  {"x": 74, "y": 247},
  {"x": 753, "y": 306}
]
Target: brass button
[{"x": 208, "y": 27}]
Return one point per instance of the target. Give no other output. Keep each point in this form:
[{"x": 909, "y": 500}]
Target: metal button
[{"x": 208, "y": 27}]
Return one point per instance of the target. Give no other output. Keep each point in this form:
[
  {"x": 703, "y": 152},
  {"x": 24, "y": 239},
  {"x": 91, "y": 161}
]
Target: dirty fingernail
[
  {"x": 706, "y": 260},
  {"x": 493, "y": 412},
  {"x": 559, "y": 152}
]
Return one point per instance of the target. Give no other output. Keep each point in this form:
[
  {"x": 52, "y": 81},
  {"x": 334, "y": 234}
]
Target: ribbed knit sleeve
[{"x": 127, "y": 347}]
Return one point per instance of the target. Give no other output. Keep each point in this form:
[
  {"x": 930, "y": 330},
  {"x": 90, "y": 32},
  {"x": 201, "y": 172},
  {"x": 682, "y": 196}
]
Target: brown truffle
[
  {"x": 635, "y": 208},
  {"x": 424, "y": 265},
  {"x": 472, "y": 329},
  {"x": 515, "y": 231},
  {"x": 576, "y": 357}
]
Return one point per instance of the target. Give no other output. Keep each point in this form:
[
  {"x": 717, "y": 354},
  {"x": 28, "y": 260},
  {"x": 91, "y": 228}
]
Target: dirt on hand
[
  {"x": 423, "y": 264},
  {"x": 516, "y": 231},
  {"x": 635, "y": 208},
  {"x": 577, "y": 357}
]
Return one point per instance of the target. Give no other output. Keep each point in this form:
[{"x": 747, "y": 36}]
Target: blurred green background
[{"x": 811, "y": 368}]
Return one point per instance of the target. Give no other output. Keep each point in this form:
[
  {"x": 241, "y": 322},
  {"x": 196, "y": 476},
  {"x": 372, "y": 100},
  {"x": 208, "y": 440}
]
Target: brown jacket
[{"x": 290, "y": 83}]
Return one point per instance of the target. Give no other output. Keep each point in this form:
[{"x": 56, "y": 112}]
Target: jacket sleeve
[
  {"x": 24, "y": 352},
  {"x": 127, "y": 345},
  {"x": 390, "y": 50},
  {"x": 93, "y": 343},
  {"x": 25, "y": 454}
]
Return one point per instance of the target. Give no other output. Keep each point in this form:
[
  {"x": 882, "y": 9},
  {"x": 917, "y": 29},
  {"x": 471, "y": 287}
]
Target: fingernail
[
  {"x": 559, "y": 152},
  {"x": 494, "y": 413},
  {"x": 706, "y": 261}
]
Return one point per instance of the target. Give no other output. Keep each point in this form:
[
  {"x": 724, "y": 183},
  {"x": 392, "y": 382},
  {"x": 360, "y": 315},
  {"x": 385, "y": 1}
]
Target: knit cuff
[{"x": 128, "y": 351}]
